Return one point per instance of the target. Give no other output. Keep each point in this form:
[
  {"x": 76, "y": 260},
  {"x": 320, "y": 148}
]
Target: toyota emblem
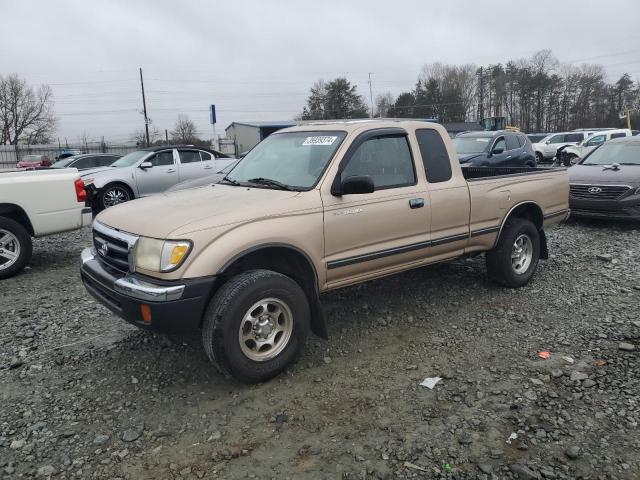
[{"x": 595, "y": 190}]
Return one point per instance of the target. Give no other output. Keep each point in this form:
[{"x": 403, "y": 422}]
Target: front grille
[
  {"x": 112, "y": 247},
  {"x": 598, "y": 192}
]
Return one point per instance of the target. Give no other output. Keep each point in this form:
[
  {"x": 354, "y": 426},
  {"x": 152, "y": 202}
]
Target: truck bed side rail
[{"x": 480, "y": 173}]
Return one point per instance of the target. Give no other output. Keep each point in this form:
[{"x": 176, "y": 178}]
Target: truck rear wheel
[
  {"x": 15, "y": 247},
  {"x": 256, "y": 325},
  {"x": 514, "y": 260}
]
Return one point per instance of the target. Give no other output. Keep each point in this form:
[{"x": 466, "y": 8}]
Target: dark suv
[{"x": 494, "y": 149}]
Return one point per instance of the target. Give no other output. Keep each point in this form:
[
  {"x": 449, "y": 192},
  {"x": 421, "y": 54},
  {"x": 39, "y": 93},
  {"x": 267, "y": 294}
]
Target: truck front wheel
[
  {"x": 256, "y": 325},
  {"x": 15, "y": 247},
  {"x": 513, "y": 261}
]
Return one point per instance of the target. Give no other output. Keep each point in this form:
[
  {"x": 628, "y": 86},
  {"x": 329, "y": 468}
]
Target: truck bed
[{"x": 481, "y": 173}]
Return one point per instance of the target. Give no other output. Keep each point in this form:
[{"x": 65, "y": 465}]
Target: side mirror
[
  {"x": 547, "y": 142},
  {"x": 497, "y": 151},
  {"x": 145, "y": 165},
  {"x": 357, "y": 185}
]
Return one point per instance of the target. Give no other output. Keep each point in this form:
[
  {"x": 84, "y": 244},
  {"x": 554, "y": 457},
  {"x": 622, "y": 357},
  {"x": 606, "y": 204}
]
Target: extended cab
[
  {"x": 310, "y": 209},
  {"x": 35, "y": 204}
]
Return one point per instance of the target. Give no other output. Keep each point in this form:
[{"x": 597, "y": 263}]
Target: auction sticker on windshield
[{"x": 324, "y": 140}]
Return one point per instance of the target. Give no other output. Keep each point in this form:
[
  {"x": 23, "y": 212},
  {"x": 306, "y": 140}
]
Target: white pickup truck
[{"x": 35, "y": 204}]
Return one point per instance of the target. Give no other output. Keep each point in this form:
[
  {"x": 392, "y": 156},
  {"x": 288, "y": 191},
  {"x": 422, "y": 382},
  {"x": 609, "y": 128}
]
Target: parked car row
[{"x": 149, "y": 171}]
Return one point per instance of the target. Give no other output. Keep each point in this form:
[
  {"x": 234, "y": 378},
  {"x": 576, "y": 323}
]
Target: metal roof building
[{"x": 246, "y": 135}]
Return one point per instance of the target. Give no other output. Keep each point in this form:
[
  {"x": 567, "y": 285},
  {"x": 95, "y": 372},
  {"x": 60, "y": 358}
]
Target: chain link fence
[{"x": 10, "y": 154}]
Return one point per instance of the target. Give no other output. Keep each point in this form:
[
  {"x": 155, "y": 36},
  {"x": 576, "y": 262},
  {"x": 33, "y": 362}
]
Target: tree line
[{"x": 536, "y": 94}]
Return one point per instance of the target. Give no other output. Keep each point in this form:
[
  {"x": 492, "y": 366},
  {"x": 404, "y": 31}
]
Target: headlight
[
  {"x": 638, "y": 191},
  {"x": 160, "y": 255}
]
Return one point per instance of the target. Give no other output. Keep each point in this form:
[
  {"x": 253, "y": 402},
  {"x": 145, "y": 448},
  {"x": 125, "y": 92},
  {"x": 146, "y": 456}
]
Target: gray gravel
[{"x": 84, "y": 395}]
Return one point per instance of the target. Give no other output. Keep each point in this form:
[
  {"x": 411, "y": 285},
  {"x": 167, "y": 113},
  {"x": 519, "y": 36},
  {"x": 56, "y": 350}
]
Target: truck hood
[
  {"x": 625, "y": 175},
  {"x": 176, "y": 214}
]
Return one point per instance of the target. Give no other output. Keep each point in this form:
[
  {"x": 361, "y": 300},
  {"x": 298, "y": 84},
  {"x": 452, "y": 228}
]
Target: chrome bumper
[{"x": 133, "y": 287}]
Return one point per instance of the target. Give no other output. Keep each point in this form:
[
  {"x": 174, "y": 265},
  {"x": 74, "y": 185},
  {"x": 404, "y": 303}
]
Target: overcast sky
[{"x": 257, "y": 59}]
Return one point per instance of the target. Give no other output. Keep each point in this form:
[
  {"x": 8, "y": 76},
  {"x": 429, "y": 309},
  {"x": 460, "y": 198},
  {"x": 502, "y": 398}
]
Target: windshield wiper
[
  {"x": 271, "y": 183},
  {"x": 231, "y": 181}
]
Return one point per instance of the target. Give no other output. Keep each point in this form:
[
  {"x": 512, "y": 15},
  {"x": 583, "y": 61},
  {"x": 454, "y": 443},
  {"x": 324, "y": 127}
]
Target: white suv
[
  {"x": 546, "y": 148},
  {"x": 571, "y": 154}
]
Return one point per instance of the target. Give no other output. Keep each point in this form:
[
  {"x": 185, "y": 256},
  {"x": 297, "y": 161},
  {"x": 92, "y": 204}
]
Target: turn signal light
[
  {"x": 177, "y": 253},
  {"x": 145, "y": 311}
]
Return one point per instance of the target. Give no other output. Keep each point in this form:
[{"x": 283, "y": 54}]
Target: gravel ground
[{"x": 83, "y": 395}]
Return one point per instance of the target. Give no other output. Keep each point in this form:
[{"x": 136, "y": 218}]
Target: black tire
[
  {"x": 530, "y": 164},
  {"x": 225, "y": 315},
  {"x": 539, "y": 157},
  {"x": 118, "y": 188},
  {"x": 499, "y": 262},
  {"x": 26, "y": 247}
]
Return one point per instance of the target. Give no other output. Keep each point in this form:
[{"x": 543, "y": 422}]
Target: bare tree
[
  {"x": 184, "y": 130},
  {"x": 384, "y": 102},
  {"x": 25, "y": 113},
  {"x": 140, "y": 137}
]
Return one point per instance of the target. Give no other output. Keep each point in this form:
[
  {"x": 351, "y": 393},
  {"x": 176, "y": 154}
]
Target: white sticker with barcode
[{"x": 324, "y": 140}]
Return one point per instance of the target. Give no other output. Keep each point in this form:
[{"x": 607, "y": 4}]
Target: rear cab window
[{"x": 435, "y": 158}]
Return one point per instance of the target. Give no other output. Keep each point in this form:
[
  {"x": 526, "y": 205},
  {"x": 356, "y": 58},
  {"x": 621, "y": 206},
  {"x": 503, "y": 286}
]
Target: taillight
[{"x": 81, "y": 193}]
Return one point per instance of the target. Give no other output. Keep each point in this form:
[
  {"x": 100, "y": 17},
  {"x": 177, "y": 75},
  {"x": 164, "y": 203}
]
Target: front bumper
[
  {"x": 175, "y": 307},
  {"x": 622, "y": 209}
]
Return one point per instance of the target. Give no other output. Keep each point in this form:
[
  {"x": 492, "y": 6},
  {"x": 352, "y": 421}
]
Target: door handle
[
  {"x": 171, "y": 170},
  {"x": 416, "y": 203},
  {"x": 208, "y": 167}
]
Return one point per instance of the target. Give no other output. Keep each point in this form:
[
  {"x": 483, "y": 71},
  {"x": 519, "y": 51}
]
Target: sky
[{"x": 256, "y": 60}]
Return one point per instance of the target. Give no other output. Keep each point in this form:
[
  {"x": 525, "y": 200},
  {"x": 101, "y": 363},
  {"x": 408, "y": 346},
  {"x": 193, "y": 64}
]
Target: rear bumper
[
  {"x": 175, "y": 307},
  {"x": 624, "y": 209}
]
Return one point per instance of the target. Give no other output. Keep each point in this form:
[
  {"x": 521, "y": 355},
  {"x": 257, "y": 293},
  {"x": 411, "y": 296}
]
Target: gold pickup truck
[{"x": 310, "y": 209}]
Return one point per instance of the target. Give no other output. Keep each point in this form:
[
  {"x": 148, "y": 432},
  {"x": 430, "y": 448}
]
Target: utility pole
[
  {"x": 144, "y": 108},
  {"x": 370, "y": 96},
  {"x": 481, "y": 96},
  {"x": 166, "y": 136}
]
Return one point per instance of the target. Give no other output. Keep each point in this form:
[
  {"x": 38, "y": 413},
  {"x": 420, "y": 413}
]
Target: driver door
[
  {"x": 366, "y": 233},
  {"x": 161, "y": 175}
]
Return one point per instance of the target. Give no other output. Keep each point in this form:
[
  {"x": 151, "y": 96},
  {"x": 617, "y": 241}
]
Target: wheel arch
[
  {"x": 124, "y": 183},
  {"x": 18, "y": 214},
  {"x": 529, "y": 210},
  {"x": 287, "y": 260}
]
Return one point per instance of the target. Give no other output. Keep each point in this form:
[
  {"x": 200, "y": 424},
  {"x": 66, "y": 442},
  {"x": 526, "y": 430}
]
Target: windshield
[
  {"x": 63, "y": 163},
  {"x": 621, "y": 153},
  {"x": 468, "y": 145},
  {"x": 295, "y": 159},
  {"x": 131, "y": 158}
]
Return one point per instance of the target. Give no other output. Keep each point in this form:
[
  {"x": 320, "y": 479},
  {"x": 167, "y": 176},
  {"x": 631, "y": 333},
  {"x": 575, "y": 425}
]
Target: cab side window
[
  {"x": 500, "y": 145},
  {"x": 386, "y": 159},
  {"x": 595, "y": 141},
  {"x": 557, "y": 138},
  {"x": 574, "y": 137},
  {"x": 618, "y": 135},
  {"x": 512, "y": 142},
  {"x": 189, "y": 156},
  {"x": 162, "y": 158}
]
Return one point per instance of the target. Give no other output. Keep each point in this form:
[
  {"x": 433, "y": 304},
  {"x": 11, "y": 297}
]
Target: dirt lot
[{"x": 83, "y": 395}]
